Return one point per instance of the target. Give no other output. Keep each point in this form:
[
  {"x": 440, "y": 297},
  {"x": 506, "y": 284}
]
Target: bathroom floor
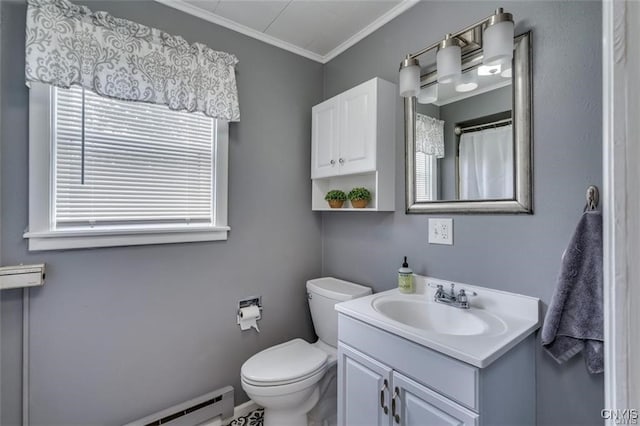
[{"x": 254, "y": 418}]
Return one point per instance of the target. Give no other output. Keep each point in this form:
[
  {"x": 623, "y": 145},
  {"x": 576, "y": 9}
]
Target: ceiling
[{"x": 316, "y": 29}]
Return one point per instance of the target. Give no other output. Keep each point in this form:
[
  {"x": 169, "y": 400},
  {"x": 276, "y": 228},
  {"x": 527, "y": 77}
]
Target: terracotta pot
[
  {"x": 359, "y": 204},
  {"x": 336, "y": 204}
]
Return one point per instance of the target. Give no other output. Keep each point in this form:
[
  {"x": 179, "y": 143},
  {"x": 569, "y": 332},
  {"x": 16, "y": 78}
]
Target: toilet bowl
[{"x": 289, "y": 379}]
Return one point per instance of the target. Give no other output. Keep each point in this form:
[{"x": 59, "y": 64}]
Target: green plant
[
  {"x": 359, "y": 194},
  {"x": 335, "y": 194}
]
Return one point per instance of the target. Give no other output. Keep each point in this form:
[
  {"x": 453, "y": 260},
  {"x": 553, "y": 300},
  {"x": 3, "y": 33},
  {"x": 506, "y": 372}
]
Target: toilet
[{"x": 295, "y": 378}]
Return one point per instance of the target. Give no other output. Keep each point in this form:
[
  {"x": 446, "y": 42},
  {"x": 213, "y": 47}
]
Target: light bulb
[
  {"x": 497, "y": 44},
  {"x": 448, "y": 60},
  {"x": 409, "y": 79},
  {"x": 466, "y": 83},
  {"x": 489, "y": 69},
  {"x": 428, "y": 95}
]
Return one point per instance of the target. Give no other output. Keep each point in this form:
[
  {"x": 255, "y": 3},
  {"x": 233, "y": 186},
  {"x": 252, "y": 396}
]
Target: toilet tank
[{"x": 323, "y": 294}]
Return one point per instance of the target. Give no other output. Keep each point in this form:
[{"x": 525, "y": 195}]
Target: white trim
[
  {"x": 1, "y": 19},
  {"x": 244, "y": 409},
  {"x": 42, "y": 234},
  {"x": 242, "y": 29},
  {"x": 620, "y": 205},
  {"x": 183, "y": 6},
  {"x": 44, "y": 241}
]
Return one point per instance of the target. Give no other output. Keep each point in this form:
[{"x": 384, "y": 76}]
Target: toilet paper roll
[{"x": 248, "y": 317}]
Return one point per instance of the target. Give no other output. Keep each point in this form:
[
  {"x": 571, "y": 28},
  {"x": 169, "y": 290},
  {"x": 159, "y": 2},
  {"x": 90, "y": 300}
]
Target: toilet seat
[{"x": 287, "y": 363}]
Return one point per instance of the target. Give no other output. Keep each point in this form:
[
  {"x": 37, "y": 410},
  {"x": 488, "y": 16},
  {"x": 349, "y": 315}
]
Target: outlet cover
[{"x": 441, "y": 231}]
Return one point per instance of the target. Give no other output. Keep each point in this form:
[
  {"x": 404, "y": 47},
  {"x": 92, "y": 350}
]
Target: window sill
[{"x": 73, "y": 239}]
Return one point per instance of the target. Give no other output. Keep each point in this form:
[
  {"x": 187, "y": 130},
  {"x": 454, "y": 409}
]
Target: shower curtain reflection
[{"x": 486, "y": 164}]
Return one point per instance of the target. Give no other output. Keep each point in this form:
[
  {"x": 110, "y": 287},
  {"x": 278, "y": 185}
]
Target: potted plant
[
  {"x": 359, "y": 197},
  {"x": 336, "y": 198}
]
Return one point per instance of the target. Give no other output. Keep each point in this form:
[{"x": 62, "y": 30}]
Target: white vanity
[{"x": 407, "y": 360}]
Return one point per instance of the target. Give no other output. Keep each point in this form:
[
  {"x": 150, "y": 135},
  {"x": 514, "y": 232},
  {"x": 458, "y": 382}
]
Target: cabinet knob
[
  {"x": 341, "y": 161},
  {"x": 382, "y": 398},
  {"x": 332, "y": 162}
]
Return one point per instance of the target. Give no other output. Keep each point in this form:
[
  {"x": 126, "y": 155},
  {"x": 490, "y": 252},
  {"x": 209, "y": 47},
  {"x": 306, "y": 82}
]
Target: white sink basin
[
  {"x": 425, "y": 315},
  {"x": 495, "y": 322}
]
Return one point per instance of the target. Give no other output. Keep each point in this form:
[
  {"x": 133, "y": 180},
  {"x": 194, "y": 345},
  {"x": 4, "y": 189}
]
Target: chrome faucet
[{"x": 460, "y": 300}]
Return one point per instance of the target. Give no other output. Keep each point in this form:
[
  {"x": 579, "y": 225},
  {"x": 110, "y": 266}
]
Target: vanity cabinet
[
  {"x": 384, "y": 379},
  {"x": 400, "y": 400},
  {"x": 353, "y": 144}
]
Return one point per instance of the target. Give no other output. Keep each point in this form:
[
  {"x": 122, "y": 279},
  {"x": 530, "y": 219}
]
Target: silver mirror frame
[{"x": 522, "y": 115}]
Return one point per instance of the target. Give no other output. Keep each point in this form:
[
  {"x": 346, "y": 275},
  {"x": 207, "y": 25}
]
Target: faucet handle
[
  {"x": 463, "y": 292},
  {"x": 463, "y": 297},
  {"x": 439, "y": 290}
]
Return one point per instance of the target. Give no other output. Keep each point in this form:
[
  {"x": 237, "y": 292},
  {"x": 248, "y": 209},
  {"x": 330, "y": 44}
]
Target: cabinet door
[
  {"x": 417, "y": 405},
  {"x": 363, "y": 389},
  {"x": 324, "y": 139},
  {"x": 358, "y": 129}
]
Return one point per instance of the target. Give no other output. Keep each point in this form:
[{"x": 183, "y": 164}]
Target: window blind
[
  {"x": 424, "y": 176},
  {"x": 129, "y": 163}
]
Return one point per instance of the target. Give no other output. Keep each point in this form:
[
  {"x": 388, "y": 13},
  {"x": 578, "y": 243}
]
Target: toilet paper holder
[{"x": 249, "y": 301}]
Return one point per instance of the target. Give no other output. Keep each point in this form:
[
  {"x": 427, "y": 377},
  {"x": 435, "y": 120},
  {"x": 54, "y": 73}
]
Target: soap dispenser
[{"x": 405, "y": 278}]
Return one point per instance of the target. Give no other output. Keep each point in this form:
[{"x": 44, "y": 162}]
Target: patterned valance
[
  {"x": 429, "y": 135},
  {"x": 70, "y": 45}
]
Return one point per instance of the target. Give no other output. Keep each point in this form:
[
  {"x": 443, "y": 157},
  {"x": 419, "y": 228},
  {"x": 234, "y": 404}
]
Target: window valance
[
  {"x": 69, "y": 45},
  {"x": 429, "y": 135}
]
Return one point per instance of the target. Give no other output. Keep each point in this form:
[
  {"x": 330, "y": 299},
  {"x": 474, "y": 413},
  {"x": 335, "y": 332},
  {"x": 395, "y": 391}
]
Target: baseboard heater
[{"x": 218, "y": 403}]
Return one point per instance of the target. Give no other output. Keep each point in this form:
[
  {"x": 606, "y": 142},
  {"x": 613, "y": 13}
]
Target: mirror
[{"x": 468, "y": 143}]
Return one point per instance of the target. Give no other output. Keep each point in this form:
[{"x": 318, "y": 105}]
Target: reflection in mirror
[
  {"x": 468, "y": 141},
  {"x": 464, "y": 142}
]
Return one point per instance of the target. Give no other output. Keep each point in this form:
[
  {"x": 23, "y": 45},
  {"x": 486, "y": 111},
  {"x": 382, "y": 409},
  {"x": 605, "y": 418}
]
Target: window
[
  {"x": 105, "y": 172},
  {"x": 426, "y": 177}
]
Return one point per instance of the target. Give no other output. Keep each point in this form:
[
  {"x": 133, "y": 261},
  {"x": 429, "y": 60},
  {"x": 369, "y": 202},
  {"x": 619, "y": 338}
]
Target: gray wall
[
  {"x": 118, "y": 333},
  {"x": 121, "y": 332},
  {"x": 513, "y": 253}
]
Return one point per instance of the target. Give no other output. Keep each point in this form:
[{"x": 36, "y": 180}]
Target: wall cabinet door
[
  {"x": 344, "y": 132},
  {"x": 363, "y": 390},
  {"x": 324, "y": 139},
  {"x": 417, "y": 405},
  {"x": 358, "y": 129}
]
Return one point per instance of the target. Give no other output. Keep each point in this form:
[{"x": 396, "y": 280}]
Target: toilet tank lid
[{"x": 336, "y": 289}]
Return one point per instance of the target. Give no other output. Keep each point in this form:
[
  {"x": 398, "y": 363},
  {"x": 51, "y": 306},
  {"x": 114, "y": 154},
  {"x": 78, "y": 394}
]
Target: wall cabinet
[
  {"x": 386, "y": 380},
  {"x": 353, "y": 144}
]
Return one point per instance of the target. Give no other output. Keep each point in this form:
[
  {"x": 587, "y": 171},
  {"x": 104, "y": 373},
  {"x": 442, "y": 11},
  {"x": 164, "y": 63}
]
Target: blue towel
[{"x": 574, "y": 321}]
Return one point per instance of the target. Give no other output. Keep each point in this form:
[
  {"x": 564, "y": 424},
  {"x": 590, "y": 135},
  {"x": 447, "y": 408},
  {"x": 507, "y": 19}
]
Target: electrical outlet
[{"x": 441, "y": 231}]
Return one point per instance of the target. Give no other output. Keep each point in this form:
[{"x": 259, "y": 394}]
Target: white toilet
[{"x": 290, "y": 379}]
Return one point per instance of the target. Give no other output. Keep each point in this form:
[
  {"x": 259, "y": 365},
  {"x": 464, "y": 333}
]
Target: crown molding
[
  {"x": 398, "y": 9},
  {"x": 185, "y": 7},
  {"x": 242, "y": 29}
]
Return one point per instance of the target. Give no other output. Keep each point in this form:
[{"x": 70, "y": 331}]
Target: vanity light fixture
[
  {"x": 466, "y": 83},
  {"x": 409, "y": 77},
  {"x": 497, "y": 45},
  {"x": 429, "y": 94},
  {"x": 489, "y": 69},
  {"x": 497, "y": 42},
  {"x": 449, "y": 60}
]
